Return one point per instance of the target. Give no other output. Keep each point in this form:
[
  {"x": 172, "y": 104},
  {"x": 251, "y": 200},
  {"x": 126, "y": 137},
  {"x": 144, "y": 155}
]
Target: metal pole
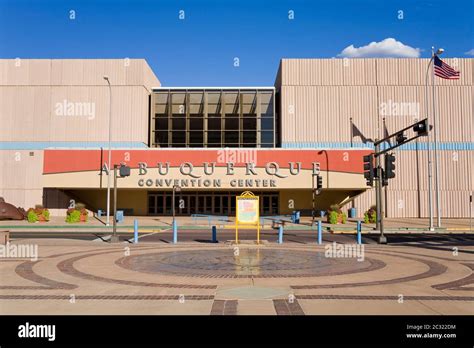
[
  {"x": 377, "y": 184},
  {"x": 135, "y": 231},
  {"x": 379, "y": 197},
  {"x": 359, "y": 230},
  {"x": 314, "y": 204},
  {"x": 320, "y": 233},
  {"x": 280, "y": 234},
  {"x": 109, "y": 163},
  {"x": 114, "y": 238},
  {"x": 438, "y": 208},
  {"x": 470, "y": 213},
  {"x": 430, "y": 164}
]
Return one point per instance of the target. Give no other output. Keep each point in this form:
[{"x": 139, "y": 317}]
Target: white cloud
[
  {"x": 470, "y": 52},
  {"x": 388, "y": 48}
]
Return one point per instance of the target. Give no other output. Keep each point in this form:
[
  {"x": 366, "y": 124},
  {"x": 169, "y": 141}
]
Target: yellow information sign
[{"x": 247, "y": 213}]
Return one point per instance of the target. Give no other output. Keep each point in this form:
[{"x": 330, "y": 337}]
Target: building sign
[
  {"x": 247, "y": 208},
  {"x": 161, "y": 169},
  {"x": 202, "y": 176},
  {"x": 247, "y": 212}
]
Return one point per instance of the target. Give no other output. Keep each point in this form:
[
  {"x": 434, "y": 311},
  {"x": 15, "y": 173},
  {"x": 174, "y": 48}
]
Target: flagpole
[
  {"x": 430, "y": 164},
  {"x": 438, "y": 208}
]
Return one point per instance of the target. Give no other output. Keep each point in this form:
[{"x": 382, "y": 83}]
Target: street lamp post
[{"x": 109, "y": 162}]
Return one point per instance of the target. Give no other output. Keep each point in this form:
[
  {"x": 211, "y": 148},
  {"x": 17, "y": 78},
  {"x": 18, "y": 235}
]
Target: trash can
[
  {"x": 119, "y": 216},
  {"x": 322, "y": 213},
  {"x": 99, "y": 213},
  {"x": 353, "y": 213},
  {"x": 295, "y": 217}
]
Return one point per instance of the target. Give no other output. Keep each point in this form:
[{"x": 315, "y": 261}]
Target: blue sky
[{"x": 200, "y": 50}]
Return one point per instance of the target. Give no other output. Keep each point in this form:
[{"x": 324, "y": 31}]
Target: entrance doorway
[{"x": 213, "y": 203}]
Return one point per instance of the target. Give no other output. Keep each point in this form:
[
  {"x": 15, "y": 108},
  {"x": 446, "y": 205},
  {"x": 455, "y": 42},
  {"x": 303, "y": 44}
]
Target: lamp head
[
  {"x": 106, "y": 78},
  {"x": 440, "y": 51}
]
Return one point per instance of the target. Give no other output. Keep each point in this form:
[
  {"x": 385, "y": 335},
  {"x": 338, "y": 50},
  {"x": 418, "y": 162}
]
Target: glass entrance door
[{"x": 212, "y": 203}]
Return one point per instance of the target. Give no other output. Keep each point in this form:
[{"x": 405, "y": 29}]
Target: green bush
[
  {"x": 46, "y": 214},
  {"x": 370, "y": 216},
  {"x": 344, "y": 218},
  {"x": 73, "y": 216},
  {"x": 333, "y": 217},
  {"x": 31, "y": 216}
]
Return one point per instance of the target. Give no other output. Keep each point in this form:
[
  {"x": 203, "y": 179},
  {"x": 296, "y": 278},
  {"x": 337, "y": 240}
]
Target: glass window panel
[
  {"x": 266, "y": 98},
  {"x": 179, "y": 123},
  {"x": 196, "y": 124},
  {"x": 161, "y": 124},
  {"x": 249, "y": 109},
  {"x": 213, "y": 109},
  {"x": 249, "y": 137},
  {"x": 232, "y": 109},
  {"x": 161, "y": 97},
  {"x": 178, "y": 137},
  {"x": 161, "y": 138},
  {"x": 249, "y": 97},
  {"x": 196, "y": 137},
  {"x": 231, "y": 97},
  {"x": 267, "y": 124},
  {"x": 196, "y": 109},
  {"x": 267, "y": 110},
  {"x": 213, "y": 97},
  {"x": 231, "y": 137},
  {"x": 266, "y": 145},
  {"x": 231, "y": 123},
  {"x": 214, "y": 137},
  {"x": 267, "y": 137},
  {"x": 178, "y": 97},
  {"x": 178, "y": 109},
  {"x": 249, "y": 123},
  {"x": 161, "y": 109},
  {"x": 195, "y": 98},
  {"x": 214, "y": 124}
]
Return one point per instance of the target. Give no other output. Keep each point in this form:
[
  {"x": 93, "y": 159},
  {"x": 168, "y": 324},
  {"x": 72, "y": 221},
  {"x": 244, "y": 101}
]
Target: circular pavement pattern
[{"x": 249, "y": 262}]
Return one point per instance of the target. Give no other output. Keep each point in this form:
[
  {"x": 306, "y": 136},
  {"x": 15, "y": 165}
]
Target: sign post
[{"x": 247, "y": 213}]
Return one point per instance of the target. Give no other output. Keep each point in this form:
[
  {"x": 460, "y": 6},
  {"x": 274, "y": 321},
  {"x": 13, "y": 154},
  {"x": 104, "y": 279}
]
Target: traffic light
[
  {"x": 389, "y": 172},
  {"x": 124, "y": 170},
  {"x": 421, "y": 128},
  {"x": 319, "y": 182},
  {"x": 369, "y": 169},
  {"x": 401, "y": 138}
]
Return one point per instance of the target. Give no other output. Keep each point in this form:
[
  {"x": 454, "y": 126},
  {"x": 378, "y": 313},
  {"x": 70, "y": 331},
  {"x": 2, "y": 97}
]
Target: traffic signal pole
[
  {"x": 381, "y": 176},
  {"x": 379, "y": 197}
]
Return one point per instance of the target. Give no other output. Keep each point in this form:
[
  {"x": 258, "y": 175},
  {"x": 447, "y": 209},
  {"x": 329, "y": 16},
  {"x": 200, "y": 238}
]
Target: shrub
[
  {"x": 73, "y": 216},
  {"x": 344, "y": 218},
  {"x": 39, "y": 213},
  {"x": 46, "y": 214},
  {"x": 31, "y": 216},
  {"x": 333, "y": 217},
  {"x": 370, "y": 216}
]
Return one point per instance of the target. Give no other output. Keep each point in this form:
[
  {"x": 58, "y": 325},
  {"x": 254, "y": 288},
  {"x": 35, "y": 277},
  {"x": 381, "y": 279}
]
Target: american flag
[{"x": 443, "y": 70}]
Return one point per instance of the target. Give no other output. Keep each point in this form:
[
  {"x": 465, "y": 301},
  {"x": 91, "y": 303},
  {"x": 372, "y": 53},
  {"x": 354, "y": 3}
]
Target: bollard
[
  {"x": 214, "y": 234},
  {"x": 175, "y": 232},
  {"x": 280, "y": 234},
  {"x": 359, "y": 235},
  {"x": 135, "y": 231},
  {"x": 320, "y": 233}
]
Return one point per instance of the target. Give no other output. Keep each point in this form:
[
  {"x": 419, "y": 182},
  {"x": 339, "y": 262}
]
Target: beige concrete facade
[
  {"x": 65, "y": 103},
  {"x": 54, "y": 103},
  {"x": 319, "y": 96}
]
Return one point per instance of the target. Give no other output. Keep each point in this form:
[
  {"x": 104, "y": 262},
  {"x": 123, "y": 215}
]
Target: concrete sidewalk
[{"x": 158, "y": 223}]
